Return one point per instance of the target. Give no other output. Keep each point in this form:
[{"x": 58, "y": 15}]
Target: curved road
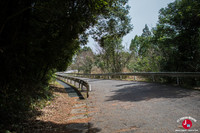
[{"x": 140, "y": 107}]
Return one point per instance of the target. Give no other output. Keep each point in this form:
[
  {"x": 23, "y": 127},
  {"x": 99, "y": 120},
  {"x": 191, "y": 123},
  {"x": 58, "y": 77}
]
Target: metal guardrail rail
[
  {"x": 151, "y": 74},
  {"x": 74, "y": 81}
]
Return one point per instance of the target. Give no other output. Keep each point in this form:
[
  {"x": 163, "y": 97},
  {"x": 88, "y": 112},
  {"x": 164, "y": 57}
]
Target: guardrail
[
  {"x": 74, "y": 81},
  {"x": 177, "y": 75}
]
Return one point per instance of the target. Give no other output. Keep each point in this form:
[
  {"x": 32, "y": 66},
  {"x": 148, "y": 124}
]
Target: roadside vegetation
[
  {"x": 38, "y": 38},
  {"x": 49, "y": 115}
]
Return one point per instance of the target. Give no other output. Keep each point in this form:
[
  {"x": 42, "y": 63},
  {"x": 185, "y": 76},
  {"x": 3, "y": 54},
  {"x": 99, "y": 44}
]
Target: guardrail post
[
  {"x": 79, "y": 84},
  {"x": 153, "y": 78},
  {"x": 87, "y": 92},
  {"x": 90, "y": 88},
  {"x": 134, "y": 78},
  {"x": 177, "y": 81}
]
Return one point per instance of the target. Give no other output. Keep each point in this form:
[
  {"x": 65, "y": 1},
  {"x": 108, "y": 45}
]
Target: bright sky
[{"x": 142, "y": 12}]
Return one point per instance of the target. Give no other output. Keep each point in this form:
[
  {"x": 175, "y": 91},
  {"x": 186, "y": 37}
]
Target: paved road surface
[{"x": 139, "y": 107}]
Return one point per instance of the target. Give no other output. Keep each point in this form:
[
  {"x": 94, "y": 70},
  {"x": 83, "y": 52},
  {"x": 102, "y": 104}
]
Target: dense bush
[{"x": 38, "y": 38}]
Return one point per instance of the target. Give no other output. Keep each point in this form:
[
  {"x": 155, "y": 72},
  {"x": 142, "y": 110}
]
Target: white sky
[{"x": 142, "y": 12}]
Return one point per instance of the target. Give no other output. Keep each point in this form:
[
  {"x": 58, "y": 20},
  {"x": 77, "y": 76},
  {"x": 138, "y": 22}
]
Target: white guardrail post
[{"x": 90, "y": 87}]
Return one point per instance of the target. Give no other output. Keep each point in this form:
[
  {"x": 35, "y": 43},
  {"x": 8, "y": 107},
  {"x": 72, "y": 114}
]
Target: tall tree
[
  {"x": 146, "y": 31},
  {"x": 84, "y": 60},
  {"x": 146, "y": 53},
  {"x": 115, "y": 24},
  {"x": 177, "y": 35},
  {"x": 113, "y": 57},
  {"x": 36, "y": 39}
]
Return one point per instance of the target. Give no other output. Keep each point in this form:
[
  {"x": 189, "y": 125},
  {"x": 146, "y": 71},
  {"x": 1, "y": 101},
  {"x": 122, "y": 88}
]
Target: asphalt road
[{"x": 139, "y": 107}]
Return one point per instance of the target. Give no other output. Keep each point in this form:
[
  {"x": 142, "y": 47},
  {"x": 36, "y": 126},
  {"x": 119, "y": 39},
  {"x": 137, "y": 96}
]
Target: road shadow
[
  {"x": 147, "y": 91},
  {"x": 38, "y": 126}
]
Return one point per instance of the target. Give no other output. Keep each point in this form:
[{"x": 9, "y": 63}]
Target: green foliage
[
  {"x": 177, "y": 35},
  {"x": 112, "y": 58},
  {"x": 135, "y": 45},
  {"x": 146, "y": 32},
  {"x": 84, "y": 60},
  {"x": 38, "y": 38},
  {"x": 174, "y": 43},
  {"x": 114, "y": 24},
  {"x": 109, "y": 33},
  {"x": 146, "y": 54}
]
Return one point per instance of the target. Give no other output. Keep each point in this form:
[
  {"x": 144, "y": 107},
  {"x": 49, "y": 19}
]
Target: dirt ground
[{"x": 54, "y": 118}]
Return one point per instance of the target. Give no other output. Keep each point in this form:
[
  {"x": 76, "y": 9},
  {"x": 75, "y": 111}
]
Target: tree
[
  {"x": 112, "y": 58},
  {"x": 141, "y": 44},
  {"x": 84, "y": 60},
  {"x": 177, "y": 35},
  {"x": 135, "y": 45},
  {"x": 146, "y": 54},
  {"x": 38, "y": 38},
  {"x": 115, "y": 24},
  {"x": 146, "y": 32}
]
